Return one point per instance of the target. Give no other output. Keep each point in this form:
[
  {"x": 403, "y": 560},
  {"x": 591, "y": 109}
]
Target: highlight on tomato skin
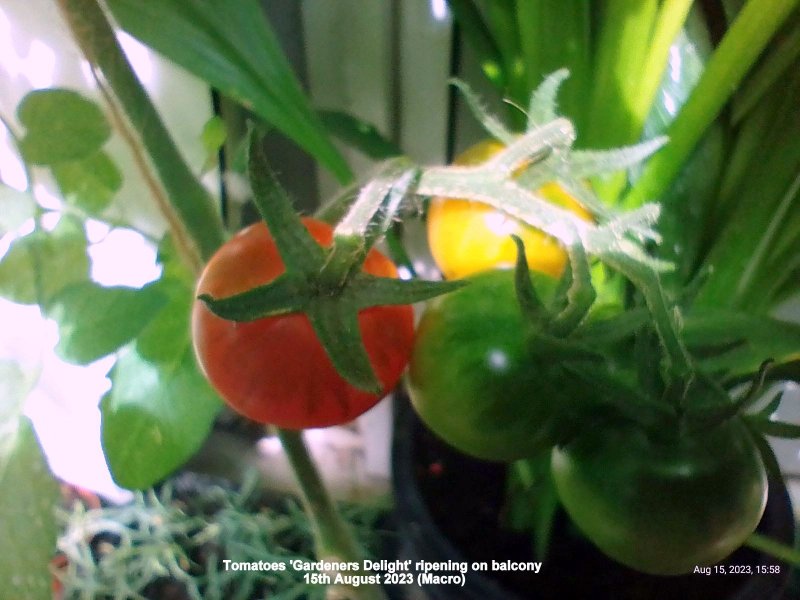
[
  {"x": 274, "y": 370},
  {"x": 467, "y": 237}
]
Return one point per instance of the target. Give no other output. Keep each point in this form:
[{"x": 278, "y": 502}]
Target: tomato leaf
[
  {"x": 89, "y": 183},
  {"x": 61, "y": 125},
  {"x": 40, "y": 264},
  {"x": 154, "y": 417},
  {"x": 29, "y": 495},
  {"x": 231, "y": 46},
  {"x": 94, "y": 321}
]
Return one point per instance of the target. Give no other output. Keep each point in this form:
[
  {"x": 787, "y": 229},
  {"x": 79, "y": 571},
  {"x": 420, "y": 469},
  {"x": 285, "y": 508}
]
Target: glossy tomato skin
[
  {"x": 274, "y": 370},
  {"x": 663, "y": 507},
  {"x": 472, "y": 378},
  {"x": 468, "y": 237}
]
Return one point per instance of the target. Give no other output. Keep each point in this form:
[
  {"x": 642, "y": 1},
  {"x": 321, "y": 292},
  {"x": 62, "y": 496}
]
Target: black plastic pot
[{"x": 448, "y": 505}]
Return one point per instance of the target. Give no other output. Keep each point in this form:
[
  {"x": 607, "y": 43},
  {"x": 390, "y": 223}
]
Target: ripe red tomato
[{"x": 275, "y": 370}]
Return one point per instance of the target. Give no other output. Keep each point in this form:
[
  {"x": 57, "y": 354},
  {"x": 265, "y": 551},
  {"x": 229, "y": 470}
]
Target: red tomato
[{"x": 274, "y": 370}]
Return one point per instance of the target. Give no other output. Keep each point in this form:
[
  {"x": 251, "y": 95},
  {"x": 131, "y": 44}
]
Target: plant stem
[
  {"x": 678, "y": 361},
  {"x": 769, "y": 546},
  {"x": 186, "y": 195},
  {"x": 334, "y": 541}
]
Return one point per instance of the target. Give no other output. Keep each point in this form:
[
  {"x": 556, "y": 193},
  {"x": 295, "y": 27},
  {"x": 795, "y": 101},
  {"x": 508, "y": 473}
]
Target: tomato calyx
[{"x": 327, "y": 283}]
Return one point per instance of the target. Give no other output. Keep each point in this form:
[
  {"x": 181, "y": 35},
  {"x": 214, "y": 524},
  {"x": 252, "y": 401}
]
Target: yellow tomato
[{"x": 467, "y": 237}]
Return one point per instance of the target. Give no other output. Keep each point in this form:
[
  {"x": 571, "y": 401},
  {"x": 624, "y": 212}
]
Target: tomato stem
[
  {"x": 769, "y": 546},
  {"x": 190, "y": 210},
  {"x": 334, "y": 540}
]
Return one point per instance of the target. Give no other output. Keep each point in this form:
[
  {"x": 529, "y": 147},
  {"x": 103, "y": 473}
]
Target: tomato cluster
[
  {"x": 660, "y": 501},
  {"x": 657, "y": 499}
]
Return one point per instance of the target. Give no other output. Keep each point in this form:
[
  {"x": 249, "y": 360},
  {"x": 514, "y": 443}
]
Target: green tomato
[
  {"x": 472, "y": 378},
  {"x": 662, "y": 507}
]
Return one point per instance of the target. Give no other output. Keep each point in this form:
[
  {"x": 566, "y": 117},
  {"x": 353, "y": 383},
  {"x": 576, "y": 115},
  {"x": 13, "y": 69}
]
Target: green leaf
[
  {"x": 780, "y": 58},
  {"x": 192, "y": 202},
  {"x": 28, "y": 529},
  {"x": 480, "y": 38},
  {"x": 154, "y": 418},
  {"x": 89, "y": 184},
  {"x": 231, "y": 46},
  {"x": 28, "y": 495},
  {"x": 555, "y": 35},
  {"x": 359, "y": 134},
  {"x": 214, "y": 134},
  {"x": 167, "y": 335},
  {"x": 623, "y": 43},
  {"x": 40, "y": 264},
  {"x": 61, "y": 125},
  {"x": 755, "y": 338},
  {"x": 736, "y": 53},
  {"x": 15, "y": 208},
  {"x": 94, "y": 321}
]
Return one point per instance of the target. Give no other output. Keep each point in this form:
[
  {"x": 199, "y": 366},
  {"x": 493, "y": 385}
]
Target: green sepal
[
  {"x": 765, "y": 450},
  {"x": 336, "y": 326},
  {"x": 366, "y": 290},
  {"x": 529, "y": 301},
  {"x": 299, "y": 251},
  {"x": 282, "y": 296},
  {"x": 772, "y": 428}
]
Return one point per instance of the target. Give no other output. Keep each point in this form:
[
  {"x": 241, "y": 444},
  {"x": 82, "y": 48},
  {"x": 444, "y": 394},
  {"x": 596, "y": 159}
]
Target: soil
[{"x": 465, "y": 497}]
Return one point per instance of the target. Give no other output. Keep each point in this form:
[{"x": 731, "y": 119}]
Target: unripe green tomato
[{"x": 663, "y": 508}]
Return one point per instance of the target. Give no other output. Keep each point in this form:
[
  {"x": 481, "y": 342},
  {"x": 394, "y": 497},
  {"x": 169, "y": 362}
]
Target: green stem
[
  {"x": 678, "y": 361},
  {"x": 762, "y": 543},
  {"x": 334, "y": 541},
  {"x": 96, "y": 38}
]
